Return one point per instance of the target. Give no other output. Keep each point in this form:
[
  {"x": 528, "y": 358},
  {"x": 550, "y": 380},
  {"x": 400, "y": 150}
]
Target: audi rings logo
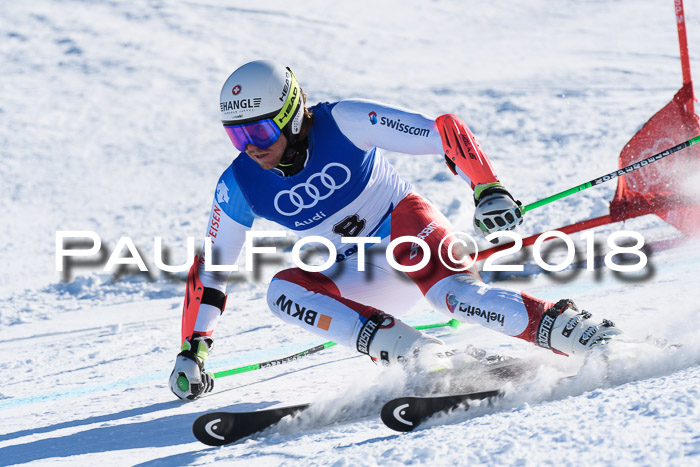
[{"x": 316, "y": 188}]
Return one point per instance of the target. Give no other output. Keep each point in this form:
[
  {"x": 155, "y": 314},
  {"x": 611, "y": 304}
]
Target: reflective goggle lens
[{"x": 261, "y": 134}]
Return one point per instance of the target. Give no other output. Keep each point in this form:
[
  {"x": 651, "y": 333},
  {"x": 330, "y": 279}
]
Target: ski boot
[
  {"x": 390, "y": 341},
  {"x": 566, "y": 330}
]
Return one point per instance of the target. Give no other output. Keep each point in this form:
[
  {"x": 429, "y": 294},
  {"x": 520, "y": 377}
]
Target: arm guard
[
  {"x": 463, "y": 151},
  {"x": 197, "y": 294}
]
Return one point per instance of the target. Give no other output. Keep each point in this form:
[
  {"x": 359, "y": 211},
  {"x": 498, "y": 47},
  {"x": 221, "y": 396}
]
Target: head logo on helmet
[
  {"x": 236, "y": 89},
  {"x": 287, "y": 82}
]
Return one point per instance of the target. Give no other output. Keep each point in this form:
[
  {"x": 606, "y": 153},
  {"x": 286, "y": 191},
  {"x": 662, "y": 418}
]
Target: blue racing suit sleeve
[{"x": 231, "y": 199}]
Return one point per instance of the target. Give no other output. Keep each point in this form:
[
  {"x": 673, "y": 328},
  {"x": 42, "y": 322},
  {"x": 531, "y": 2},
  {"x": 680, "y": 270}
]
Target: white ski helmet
[{"x": 259, "y": 101}]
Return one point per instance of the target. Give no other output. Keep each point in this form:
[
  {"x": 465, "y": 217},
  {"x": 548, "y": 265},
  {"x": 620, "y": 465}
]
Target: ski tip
[
  {"x": 407, "y": 413},
  {"x": 219, "y": 428},
  {"x": 400, "y": 414},
  {"x": 211, "y": 429}
]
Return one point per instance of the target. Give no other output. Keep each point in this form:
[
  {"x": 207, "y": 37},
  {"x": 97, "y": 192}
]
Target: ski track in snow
[{"x": 109, "y": 123}]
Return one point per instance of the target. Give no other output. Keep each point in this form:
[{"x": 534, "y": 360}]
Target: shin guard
[
  {"x": 463, "y": 151},
  {"x": 197, "y": 294}
]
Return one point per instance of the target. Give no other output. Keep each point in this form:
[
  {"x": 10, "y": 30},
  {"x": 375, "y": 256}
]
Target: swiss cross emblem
[{"x": 236, "y": 89}]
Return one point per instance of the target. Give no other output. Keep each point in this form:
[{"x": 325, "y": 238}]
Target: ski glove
[
  {"x": 496, "y": 209},
  {"x": 189, "y": 379}
]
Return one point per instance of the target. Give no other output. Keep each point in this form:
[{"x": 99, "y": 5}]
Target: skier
[{"x": 319, "y": 171}]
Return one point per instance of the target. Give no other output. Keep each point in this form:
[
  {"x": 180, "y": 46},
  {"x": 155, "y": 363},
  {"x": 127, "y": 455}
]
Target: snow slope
[{"x": 109, "y": 123}]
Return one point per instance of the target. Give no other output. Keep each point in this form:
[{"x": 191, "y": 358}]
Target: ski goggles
[{"x": 262, "y": 134}]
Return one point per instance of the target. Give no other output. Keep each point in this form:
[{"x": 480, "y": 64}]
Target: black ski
[
  {"x": 219, "y": 428},
  {"x": 407, "y": 413}
]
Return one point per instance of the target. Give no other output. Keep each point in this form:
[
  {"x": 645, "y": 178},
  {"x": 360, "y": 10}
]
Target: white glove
[
  {"x": 189, "y": 379},
  {"x": 496, "y": 209}
]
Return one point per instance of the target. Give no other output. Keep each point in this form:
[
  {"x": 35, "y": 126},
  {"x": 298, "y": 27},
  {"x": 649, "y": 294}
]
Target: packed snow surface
[{"x": 109, "y": 123}]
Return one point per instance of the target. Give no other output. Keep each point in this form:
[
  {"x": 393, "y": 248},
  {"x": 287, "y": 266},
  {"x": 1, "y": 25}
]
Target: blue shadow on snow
[{"x": 160, "y": 432}]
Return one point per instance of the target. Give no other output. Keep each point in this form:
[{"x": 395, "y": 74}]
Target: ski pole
[
  {"x": 610, "y": 176},
  {"x": 453, "y": 323}
]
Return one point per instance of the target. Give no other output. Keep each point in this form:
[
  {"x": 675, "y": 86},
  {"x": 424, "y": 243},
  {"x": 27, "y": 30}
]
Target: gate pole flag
[
  {"x": 651, "y": 188},
  {"x": 668, "y": 188}
]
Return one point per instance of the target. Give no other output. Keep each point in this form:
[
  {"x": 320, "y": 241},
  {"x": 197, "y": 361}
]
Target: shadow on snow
[{"x": 160, "y": 432}]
